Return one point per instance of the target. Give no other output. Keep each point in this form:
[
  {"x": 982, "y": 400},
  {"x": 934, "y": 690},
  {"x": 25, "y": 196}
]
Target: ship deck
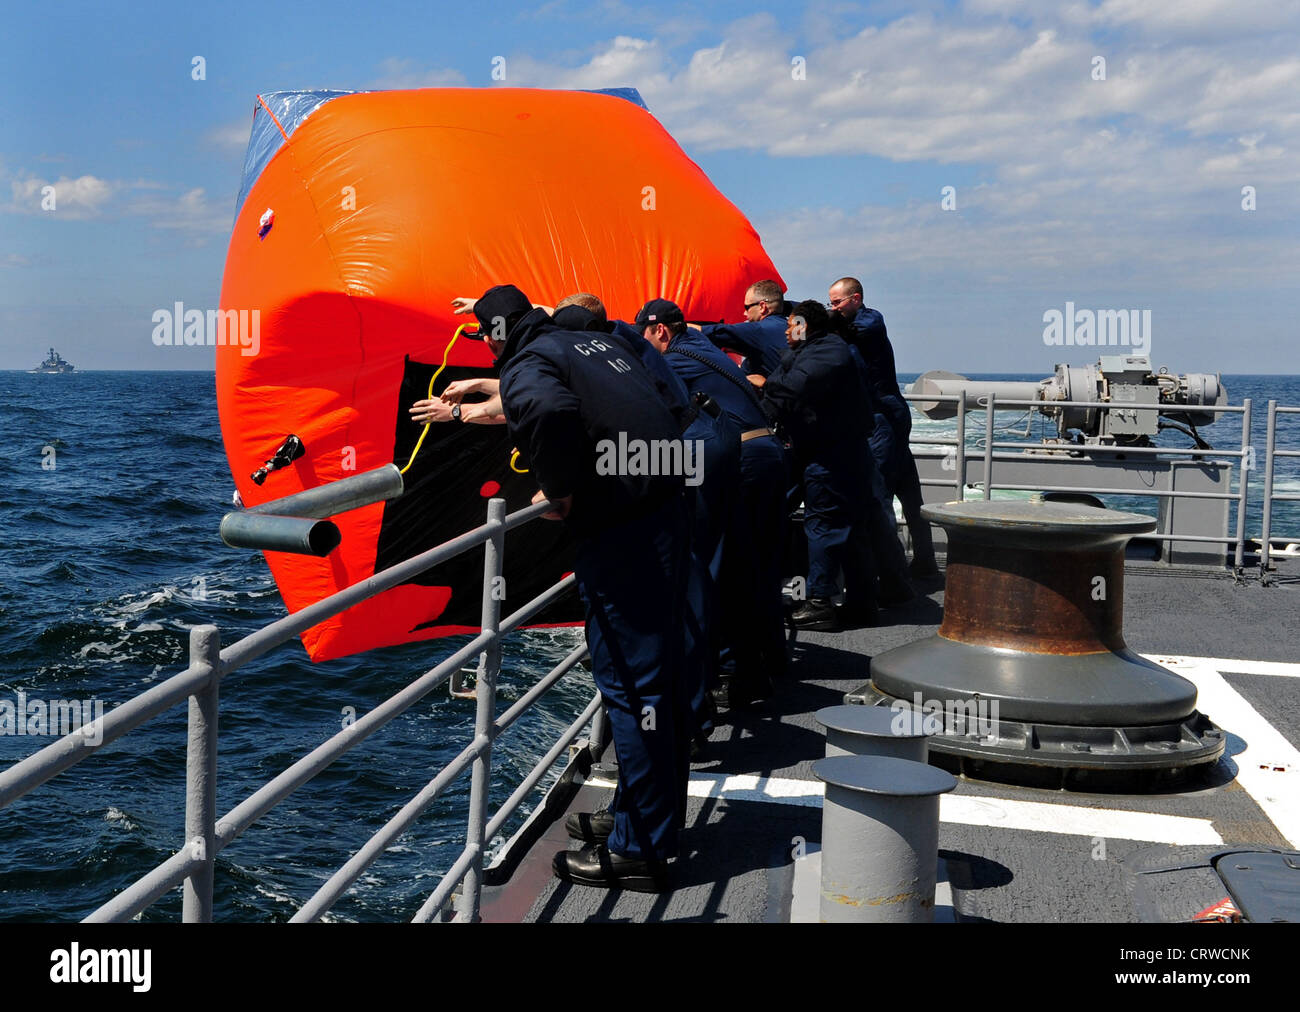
[{"x": 750, "y": 849}]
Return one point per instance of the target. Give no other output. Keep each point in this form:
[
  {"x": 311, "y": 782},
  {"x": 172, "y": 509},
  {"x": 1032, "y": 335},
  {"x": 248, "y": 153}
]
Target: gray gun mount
[{"x": 1116, "y": 380}]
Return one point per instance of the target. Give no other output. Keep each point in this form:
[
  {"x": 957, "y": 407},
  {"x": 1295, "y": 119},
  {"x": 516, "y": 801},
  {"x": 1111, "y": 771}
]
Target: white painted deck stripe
[
  {"x": 1269, "y": 767},
  {"x": 1076, "y": 820},
  {"x": 1176, "y": 661},
  {"x": 744, "y": 787},
  {"x": 969, "y": 810}
]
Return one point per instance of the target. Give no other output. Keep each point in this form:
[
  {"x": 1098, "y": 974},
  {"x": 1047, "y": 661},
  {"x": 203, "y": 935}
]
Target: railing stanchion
[
  {"x": 201, "y": 776},
  {"x": 485, "y": 694},
  {"x": 599, "y": 734},
  {"x": 961, "y": 447},
  {"x": 988, "y": 446},
  {"x": 1243, "y": 487},
  {"x": 1269, "y": 459}
]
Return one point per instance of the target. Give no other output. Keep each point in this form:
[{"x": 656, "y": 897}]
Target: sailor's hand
[
  {"x": 462, "y": 305},
  {"x": 488, "y": 412},
  {"x": 562, "y": 506},
  {"x": 430, "y": 411},
  {"x": 756, "y": 379},
  {"x": 458, "y": 390}
]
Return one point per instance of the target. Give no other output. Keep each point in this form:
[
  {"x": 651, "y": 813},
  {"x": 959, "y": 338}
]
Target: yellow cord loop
[{"x": 446, "y": 352}]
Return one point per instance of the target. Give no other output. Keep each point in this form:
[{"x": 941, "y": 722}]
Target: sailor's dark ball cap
[
  {"x": 659, "y": 311},
  {"x": 505, "y": 302}
]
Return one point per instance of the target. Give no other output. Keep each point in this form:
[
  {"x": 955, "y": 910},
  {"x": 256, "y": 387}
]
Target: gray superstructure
[{"x": 54, "y": 365}]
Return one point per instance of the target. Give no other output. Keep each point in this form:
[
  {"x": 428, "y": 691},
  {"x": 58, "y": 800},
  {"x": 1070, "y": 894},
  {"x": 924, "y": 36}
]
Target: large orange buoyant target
[{"x": 361, "y": 216}]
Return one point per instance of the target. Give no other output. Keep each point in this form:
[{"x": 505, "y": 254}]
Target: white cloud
[
  {"x": 191, "y": 212},
  {"x": 231, "y": 137},
  {"x": 1212, "y": 20},
  {"x": 73, "y": 199},
  {"x": 399, "y": 73},
  {"x": 1118, "y": 180},
  {"x": 89, "y": 197}
]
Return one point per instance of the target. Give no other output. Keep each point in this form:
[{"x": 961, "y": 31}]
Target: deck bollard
[
  {"x": 880, "y": 838},
  {"x": 873, "y": 730}
]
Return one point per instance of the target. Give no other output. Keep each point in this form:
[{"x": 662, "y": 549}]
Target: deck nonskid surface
[{"x": 1011, "y": 853}]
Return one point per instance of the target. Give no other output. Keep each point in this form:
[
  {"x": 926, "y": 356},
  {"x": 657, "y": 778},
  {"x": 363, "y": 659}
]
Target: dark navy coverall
[
  {"x": 711, "y": 505},
  {"x": 818, "y": 393},
  {"x": 564, "y": 394},
  {"x": 882, "y": 530},
  {"x": 753, "y": 641},
  {"x": 869, "y": 336},
  {"x": 762, "y": 342}
]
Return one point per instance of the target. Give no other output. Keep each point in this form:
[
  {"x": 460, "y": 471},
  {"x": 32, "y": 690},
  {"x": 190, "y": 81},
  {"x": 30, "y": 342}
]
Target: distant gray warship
[{"x": 54, "y": 364}]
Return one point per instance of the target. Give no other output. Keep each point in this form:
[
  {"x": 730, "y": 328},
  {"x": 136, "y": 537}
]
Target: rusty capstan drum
[{"x": 1029, "y": 668}]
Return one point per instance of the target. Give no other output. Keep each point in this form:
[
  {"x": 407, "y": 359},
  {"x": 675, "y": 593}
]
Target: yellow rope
[{"x": 446, "y": 352}]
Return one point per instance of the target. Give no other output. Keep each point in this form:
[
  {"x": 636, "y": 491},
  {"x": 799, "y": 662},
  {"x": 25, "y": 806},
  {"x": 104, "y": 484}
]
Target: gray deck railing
[
  {"x": 1245, "y": 455},
  {"x": 1271, "y": 496},
  {"x": 206, "y": 835}
]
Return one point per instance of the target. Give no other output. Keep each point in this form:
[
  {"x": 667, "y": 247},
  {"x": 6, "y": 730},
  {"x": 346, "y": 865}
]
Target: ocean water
[{"x": 109, "y": 558}]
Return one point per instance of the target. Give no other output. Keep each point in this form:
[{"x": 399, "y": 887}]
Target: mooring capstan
[{"x": 1030, "y": 666}]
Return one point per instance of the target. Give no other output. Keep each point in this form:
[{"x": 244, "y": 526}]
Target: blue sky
[{"x": 1122, "y": 193}]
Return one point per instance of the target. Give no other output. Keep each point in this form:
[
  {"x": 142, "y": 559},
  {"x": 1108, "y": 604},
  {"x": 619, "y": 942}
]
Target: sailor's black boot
[
  {"x": 817, "y": 613},
  {"x": 740, "y": 691},
  {"x": 597, "y": 866},
  {"x": 593, "y": 827}
]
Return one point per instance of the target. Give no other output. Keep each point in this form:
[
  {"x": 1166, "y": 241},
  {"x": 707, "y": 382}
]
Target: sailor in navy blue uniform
[
  {"x": 711, "y": 498},
  {"x": 761, "y": 337},
  {"x": 753, "y": 641},
  {"x": 866, "y": 331},
  {"x": 818, "y": 392},
  {"x": 574, "y": 402}
]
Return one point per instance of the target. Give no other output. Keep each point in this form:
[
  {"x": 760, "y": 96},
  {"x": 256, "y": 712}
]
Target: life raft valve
[{"x": 290, "y": 450}]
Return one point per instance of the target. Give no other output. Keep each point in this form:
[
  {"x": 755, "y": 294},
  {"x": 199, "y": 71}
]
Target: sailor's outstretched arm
[
  {"x": 746, "y": 338},
  {"x": 458, "y": 390},
  {"x": 546, "y": 424}
]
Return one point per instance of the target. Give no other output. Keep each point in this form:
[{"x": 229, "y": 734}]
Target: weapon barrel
[{"x": 947, "y": 384}]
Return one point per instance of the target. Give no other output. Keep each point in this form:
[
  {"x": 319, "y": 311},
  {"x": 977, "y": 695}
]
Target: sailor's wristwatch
[{"x": 455, "y": 413}]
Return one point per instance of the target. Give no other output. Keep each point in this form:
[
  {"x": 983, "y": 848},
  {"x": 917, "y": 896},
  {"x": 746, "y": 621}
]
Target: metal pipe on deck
[
  {"x": 297, "y": 524},
  {"x": 1243, "y": 485},
  {"x": 1265, "y": 539},
  {"x": 485, "y": 713},
  {"x": 880, "y": 839},
  {"x": 201, "y": 777},
  {"x": 874, "y": 731},
  {"x": 364, "y": 489},
  {"x": 269, "y": 533}
]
